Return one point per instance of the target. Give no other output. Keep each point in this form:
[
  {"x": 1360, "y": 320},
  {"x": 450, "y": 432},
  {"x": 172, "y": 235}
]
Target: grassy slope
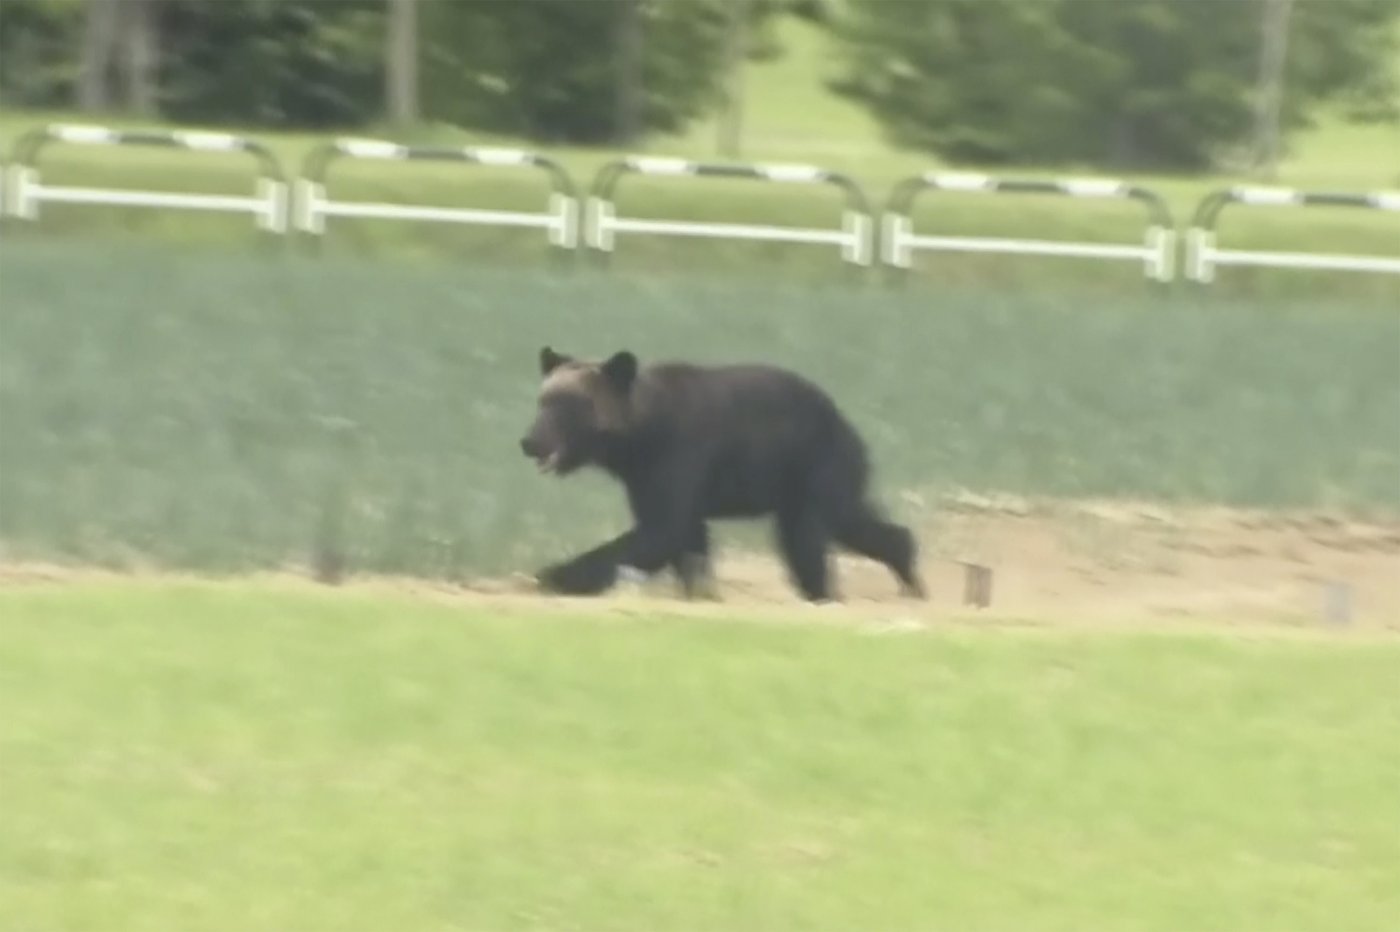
[
  {"x": 791, "y": 117},
  {"x": 273, "y": 758},
  {"x": 202, "y": 426}
]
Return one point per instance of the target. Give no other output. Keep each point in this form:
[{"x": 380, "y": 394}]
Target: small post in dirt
[
  {"x": 329, "y": 547},
  {"x": 1337, "y": 603},
  {"x": 977, "y": 584}
]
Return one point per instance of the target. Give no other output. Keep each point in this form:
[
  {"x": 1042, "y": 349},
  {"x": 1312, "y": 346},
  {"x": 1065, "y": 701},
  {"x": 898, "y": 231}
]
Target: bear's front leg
[
  {"x": 696, "y": 576},
  {"x": 693, "y": 567},
  {"x": 590, "y": 573}
]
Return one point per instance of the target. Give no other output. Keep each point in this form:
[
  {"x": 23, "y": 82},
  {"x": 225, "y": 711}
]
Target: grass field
[
  {"x": 225, "y": 757},
  {"x": 791, "y": 117},
  {"x": 220, "y": 421}
]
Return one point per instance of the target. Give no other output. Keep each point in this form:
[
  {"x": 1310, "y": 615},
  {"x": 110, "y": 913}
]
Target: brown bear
[{"x": 690, "y": 443}]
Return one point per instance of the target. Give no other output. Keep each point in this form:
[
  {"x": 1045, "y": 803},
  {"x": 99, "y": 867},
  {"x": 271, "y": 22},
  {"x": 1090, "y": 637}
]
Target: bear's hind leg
[
  {"x": 802, "y": 537},
  {"x": 885, "y": 542}
]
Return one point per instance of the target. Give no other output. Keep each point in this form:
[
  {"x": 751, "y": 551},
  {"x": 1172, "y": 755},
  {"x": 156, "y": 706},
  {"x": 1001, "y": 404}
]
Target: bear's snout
[{"x": 544, "y": 457}]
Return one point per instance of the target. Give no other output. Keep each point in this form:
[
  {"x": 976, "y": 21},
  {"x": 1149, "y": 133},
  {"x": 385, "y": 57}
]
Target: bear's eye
[{"x": 567, "y": 407}]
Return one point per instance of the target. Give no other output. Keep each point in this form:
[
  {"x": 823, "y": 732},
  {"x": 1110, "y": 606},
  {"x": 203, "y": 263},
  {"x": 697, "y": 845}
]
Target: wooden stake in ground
[{"x": 977, "y": 585}]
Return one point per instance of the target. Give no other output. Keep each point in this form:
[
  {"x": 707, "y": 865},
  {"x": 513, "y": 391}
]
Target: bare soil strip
[{"x": 1061, "y": 564}]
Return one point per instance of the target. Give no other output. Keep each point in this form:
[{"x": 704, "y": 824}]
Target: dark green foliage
[
  {"x": 1158, "y": 83},
  {"x": 38, "y": 58},
  {"x": 276, "y": 63},
  {"x": 547, "y": 69},
  {"x": 1165, "y": 83},
  {"x": 1341, "y": 50},
  {"x": 273, "y": 63}
]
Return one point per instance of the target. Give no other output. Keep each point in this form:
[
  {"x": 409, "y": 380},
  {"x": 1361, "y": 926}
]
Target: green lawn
[{"x": 201, "y": 757}]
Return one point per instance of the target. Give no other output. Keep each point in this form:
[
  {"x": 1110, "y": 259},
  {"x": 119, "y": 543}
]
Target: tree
[
  {"x": 140, "y": 48},
  {"x": 749, "y": 35},
  {"x": 562, "y": 70},
  {"x": 56, "y": 53},
  {"x": 553, "y": 70},
  {"x": 1131, "y": 82},
  {"x": 101, "y": 23},
  {"x": 1273, "y": 56},
  {"x": 401, "y": 62},
  {"x": 39, "y": 66},
  {"x": 1345, "y": 50},
  {"x": 628, "y": 46},
  {"x": 731, "y": 121},
  {"x": 290, "y": 63}
]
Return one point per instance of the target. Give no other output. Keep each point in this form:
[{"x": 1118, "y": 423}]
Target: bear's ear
[
  {"x": 620, "y": 370},
  {"x": 550, "y": 360}
]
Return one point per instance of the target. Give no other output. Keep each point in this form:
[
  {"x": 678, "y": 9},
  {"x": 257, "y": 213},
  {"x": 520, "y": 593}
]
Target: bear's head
[{"x": 581, "y": 406}]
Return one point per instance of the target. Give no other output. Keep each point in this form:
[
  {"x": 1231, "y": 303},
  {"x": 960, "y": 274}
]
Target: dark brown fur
[{"x": 691, "y": 443}]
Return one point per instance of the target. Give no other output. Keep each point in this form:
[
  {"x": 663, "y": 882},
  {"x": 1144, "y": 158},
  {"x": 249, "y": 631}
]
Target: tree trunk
[
  {"x": 401, "y": 62},
  {"x": 1273, "y": 56},
  {"x": 628, "y": 43},
  {"x": 1124, "y": 151},
  {"x": 731, "y": 121},
  {"x": 140, "y": 48},
  {"x": 99, "y": 41}
]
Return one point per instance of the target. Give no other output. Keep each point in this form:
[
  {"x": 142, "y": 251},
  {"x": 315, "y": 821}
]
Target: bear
[{"x": 691, "y": 443}]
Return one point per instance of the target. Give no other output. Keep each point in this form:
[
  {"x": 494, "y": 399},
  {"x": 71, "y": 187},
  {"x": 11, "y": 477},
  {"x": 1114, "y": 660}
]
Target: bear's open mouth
[{"x": 548, "y": 464}]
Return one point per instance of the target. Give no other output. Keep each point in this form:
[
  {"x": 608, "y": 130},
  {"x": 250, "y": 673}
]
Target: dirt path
[
  {"x": 1082, "y": 563},
  {"x": 1102, "y": 561}
]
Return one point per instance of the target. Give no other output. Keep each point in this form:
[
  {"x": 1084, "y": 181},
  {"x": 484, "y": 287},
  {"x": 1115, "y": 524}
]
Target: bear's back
[
  {"x": 755, "y": 427},
  {"x": 735, "y": 395}
]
